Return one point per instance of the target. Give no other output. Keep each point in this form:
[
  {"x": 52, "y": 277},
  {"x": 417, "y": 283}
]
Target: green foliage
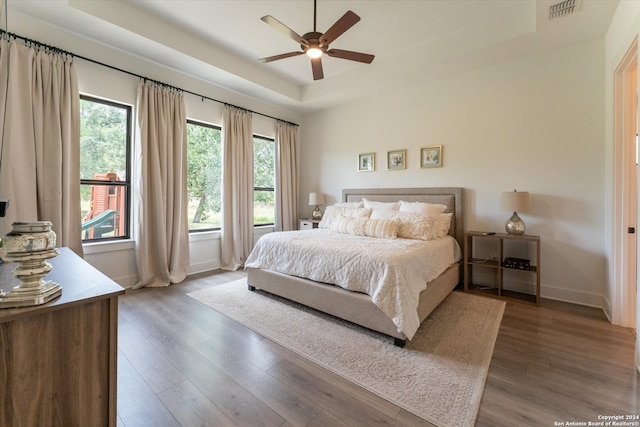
[
  {"x": 263, "y": 178},
  {"x": 204, "y": 172},
  {"x": 264, "y": 162},
  {"x": 103, "y": 144},
  {"x": 204, "y": 177},
  {"x": 103, "y": 148},
  {"x": 103, "y": 139}
]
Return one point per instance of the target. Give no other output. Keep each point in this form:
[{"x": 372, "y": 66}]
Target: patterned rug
[{"x": 439, "y": 375}]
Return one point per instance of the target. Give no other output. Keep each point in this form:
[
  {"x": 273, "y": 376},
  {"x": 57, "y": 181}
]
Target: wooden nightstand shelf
[
  {"x": 308, "y": 224},
  {"x": 500, "y": 245}
]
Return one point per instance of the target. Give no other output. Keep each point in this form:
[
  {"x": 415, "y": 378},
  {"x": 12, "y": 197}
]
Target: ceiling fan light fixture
[
  {"x": 314, "y": 52},
  {"x": 314, "y": 44}
]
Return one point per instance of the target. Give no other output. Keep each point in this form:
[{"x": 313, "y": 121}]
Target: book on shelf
[{"x": 517, "y": 263}]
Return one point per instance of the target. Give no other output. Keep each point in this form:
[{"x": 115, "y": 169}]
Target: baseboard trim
[
  {"x": 606, "y": 307},
  {"x": 202, "y": 267},
  {"x": 126, "y": 282},
  {"x": 573, "y": 296},
  {"x": 551, "y": 292}
]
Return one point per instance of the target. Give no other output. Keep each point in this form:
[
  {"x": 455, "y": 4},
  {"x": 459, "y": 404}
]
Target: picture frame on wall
[
  {"x": 397, "y": 159},
  {"x": 431, "y": 156},
  {"x": 367, "y": 162}
]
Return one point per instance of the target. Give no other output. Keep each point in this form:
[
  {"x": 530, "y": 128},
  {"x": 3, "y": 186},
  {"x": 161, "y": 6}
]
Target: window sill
[
  {"x": 122, "y": 245},
  {"x": 111, "y": 246},
  {"x": 264, "y": 227},
  {"x": 204, "y": 235}
]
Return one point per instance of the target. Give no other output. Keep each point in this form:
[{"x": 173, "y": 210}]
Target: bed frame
[{"x": 357, "y": 307}]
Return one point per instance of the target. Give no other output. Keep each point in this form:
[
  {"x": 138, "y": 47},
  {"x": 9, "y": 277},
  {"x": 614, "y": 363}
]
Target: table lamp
[
  {"x": 515, "y": 201},
  {"x": 316, "y": 199}
]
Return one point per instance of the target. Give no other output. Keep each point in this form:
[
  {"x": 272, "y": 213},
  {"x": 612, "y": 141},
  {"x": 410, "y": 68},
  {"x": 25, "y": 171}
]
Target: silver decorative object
[
  {"x": 30, "y": 244},
  {"x": 515, "y": 225},
  {"x": 316, "y": 199},
  {"x": 515, "y": 201}
]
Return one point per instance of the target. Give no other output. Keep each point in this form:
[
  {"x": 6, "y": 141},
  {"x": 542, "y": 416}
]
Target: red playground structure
[{"x": 106, "y": 210}]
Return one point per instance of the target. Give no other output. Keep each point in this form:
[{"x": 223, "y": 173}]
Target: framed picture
[
  {"x": 367, "y": 162},
  {"x": 431, "y": 157},
  {"x": 396, "y": 159}
]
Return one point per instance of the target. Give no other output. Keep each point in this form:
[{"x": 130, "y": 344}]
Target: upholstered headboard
[{"x": 449, "y": 196}]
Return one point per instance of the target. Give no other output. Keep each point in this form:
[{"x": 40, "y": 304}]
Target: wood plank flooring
[{"x": 183, "y": 364}]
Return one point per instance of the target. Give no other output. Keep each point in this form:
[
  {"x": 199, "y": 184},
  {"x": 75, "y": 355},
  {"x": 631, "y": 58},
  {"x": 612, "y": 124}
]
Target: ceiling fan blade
[
  {"x": 352, "y": 56},
  {"x": 283, "y": 28},
  {"x": 316, "y": 67},
  {"x": 281, "y": 56},
  {"x": 348, "y": 20}
]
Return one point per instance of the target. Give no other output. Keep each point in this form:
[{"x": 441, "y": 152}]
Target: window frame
[
  {"x": 128, "y": 165},
  {"x": 210, "y": 126},
  {"x": 273, "y": 189}
]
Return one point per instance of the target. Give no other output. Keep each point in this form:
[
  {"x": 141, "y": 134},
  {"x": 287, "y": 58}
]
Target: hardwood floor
[{"x": 183, "y": 364}]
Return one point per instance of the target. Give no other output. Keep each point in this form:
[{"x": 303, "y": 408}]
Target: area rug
[{"x": 438, "y": 376}]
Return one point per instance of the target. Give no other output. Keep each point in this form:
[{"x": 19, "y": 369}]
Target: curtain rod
[{"x": 64, "y": 52}]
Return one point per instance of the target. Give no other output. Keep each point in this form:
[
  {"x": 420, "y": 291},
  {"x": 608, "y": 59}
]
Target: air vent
[{"x": 563, "y": 8}]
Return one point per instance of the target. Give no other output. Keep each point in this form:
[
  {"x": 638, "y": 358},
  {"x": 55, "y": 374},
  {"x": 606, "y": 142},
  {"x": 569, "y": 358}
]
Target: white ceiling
[{"x": 414, "y": 41}]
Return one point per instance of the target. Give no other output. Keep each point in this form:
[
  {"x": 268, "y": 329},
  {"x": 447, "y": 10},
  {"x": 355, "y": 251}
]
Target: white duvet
[{"x": 392, "y": 272}]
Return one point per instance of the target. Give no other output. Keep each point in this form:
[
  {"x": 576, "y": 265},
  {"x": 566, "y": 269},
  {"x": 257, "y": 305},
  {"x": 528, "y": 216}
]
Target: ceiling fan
[{"x": 315, "y": 44}]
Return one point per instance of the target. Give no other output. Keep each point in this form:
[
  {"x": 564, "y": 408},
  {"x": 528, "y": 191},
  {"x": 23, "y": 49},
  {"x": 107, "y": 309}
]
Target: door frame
[{"x": 625, "y": 104}]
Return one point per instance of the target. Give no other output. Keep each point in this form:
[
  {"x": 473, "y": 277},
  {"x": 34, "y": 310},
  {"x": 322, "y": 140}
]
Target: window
[
  {"x": 105, "y": 169},
  {"x": 204, "y": 176},
  {"x": 263, "y": 181}
]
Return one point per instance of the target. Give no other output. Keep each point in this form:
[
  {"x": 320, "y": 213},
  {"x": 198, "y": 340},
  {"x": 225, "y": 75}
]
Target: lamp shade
[
  {"x": 316, "y": 199},
  {"x": 514, "y": 201}
]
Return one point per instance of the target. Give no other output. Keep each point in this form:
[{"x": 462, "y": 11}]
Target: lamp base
[
  {"x": 317, "y": 213},
  {"x": 20, "y": 296},
  {"x": 33, "y": 289},
  {"x": 515, "y": 225}
]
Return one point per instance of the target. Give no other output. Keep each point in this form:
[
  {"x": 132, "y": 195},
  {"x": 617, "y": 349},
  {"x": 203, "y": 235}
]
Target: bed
[{"x": 358, "y": 307}]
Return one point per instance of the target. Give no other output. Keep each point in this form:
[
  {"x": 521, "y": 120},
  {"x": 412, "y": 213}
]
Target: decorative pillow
[
  {"x": 359, "y": 204},
  {"x": 444, "y": 223},
  {"x": 389, "y": 206},
  {"x": 433, "y": 209},
  {"x": 332, "y": 213},
  {"x": 380, "y": 228},
  {"x": 411, "y": 225}
]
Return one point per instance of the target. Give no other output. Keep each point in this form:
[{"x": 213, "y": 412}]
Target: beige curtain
[
  {"x": 162, "y": 231},
  {"x": 237, "y": 192},
  {"x": 40, "y": 152},
  {"x": 287, "y": 141}
]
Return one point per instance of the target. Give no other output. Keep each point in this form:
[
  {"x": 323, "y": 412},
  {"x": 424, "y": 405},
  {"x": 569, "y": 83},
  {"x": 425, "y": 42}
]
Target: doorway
[{"x": 624, "y": 293}]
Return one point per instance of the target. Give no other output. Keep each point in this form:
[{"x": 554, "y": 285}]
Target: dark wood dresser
[{"x": 58, "y": 362}]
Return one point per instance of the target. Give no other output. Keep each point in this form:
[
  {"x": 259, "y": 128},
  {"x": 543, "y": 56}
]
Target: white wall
[
  {"x": 535, "y": 124},
  {"x": 117, "y": 260}
]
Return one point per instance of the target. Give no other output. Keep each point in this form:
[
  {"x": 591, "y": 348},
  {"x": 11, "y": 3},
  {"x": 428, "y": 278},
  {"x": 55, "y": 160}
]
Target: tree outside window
[
  {"x": 204, "y": 176},
  {"x": 105, "y": 172},
  {"x": 263, "y": 181}
]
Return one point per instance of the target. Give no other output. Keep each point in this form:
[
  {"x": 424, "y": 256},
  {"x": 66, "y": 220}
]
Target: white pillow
[
  {"x": 359, "y": 204},
  {"x": 332, "y": 213},
  {"x": 411, "y": 225},
  {"x": 444, "y": 223},
  {"x": 420, "y": 207},
  {"x": 380, "y": 228},
  {"x": 389, "y": 206}
]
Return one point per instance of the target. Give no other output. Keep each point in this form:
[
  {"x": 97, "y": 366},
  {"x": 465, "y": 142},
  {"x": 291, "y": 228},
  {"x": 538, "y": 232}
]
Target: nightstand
[
  {"x": 488, "y": 255},
  {"x": 308, "y": 224}
]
